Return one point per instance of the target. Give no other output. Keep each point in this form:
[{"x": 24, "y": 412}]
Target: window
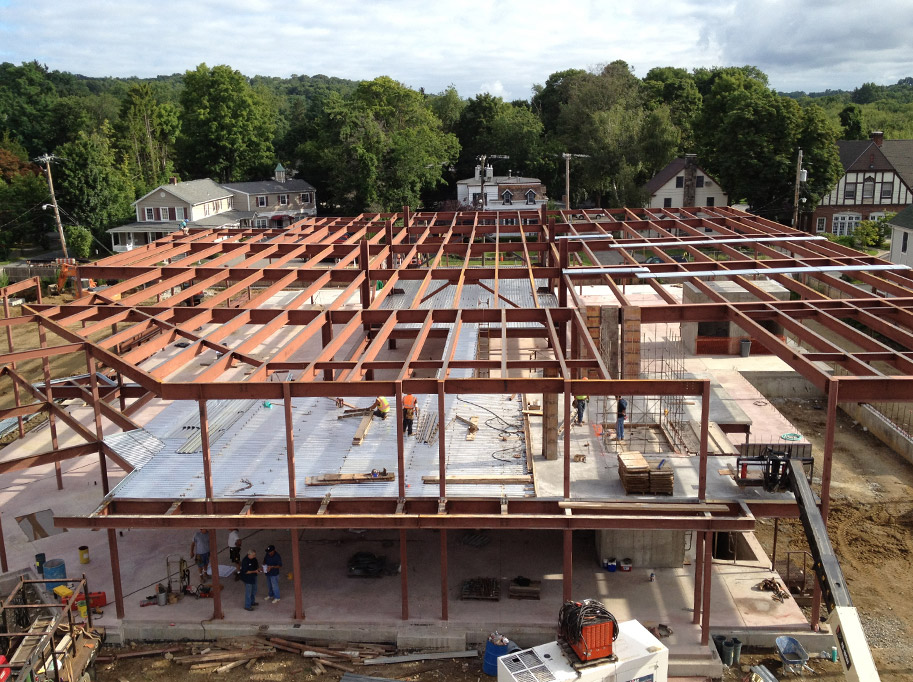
[
  {"x": 887, "y": 190},
  {"x": 306, "y": 198},
  {"x": 845, "y": 223},
  {"x": 179, "y": 213},
  {"x": 667, "y": 202},
  {"x": 679, "y": 182},
  {"x": 283, "y": 199},
  {"x": 699, "y": 181},
  {"x": 261, "y": 222},
  {"x": 150, "y": 214},
  {"x": 820, "y": 224},
  {"x": 710, "y": 201},
  {"x": 261, "y": 201},
  {"x": 207, "y": 208},
  {"x": 507, "y": 197},
  {"x": 903, "y": 242},
  {"x": 868, "y": 189},
  {"x": 849, "y": 191},
  {"x": 530, "y": 197}
]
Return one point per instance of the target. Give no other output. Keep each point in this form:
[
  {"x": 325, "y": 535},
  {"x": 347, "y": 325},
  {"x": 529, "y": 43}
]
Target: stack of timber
[
  {"x": 662, "y": 479},
  {"x": 524, "y": 588},
  {"x": 642, "y": 477},
  {"x": 634, "y": 472}
]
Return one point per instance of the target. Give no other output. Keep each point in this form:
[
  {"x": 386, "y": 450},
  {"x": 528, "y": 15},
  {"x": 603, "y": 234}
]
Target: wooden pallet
[
  {"x": 484, "y": 589},
  {"x": 531, "y": 591},
  {"x": 334, "y": 479}
]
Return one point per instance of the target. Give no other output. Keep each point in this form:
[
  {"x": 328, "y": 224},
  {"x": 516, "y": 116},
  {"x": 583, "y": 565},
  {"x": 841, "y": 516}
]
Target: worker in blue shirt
[{"x": 272, "y": 564}]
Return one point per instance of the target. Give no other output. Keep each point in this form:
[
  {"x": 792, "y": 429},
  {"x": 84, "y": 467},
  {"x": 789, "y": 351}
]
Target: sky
[{"x": 503, "y": 47}]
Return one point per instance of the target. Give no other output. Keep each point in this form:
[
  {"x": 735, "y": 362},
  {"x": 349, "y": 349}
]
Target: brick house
[
  {"x": 877, "y": 179},
  {"x": 683, "y": 183}
]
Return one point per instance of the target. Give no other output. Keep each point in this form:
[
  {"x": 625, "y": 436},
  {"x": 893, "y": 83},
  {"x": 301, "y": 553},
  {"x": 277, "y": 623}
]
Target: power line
[{"x": 46, "y": 159}]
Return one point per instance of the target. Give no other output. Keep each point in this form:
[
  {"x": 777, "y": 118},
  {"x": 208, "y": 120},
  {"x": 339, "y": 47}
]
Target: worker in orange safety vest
[{"x": 409, "y": 407}]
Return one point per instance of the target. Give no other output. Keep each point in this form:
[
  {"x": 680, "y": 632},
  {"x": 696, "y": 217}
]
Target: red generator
[{"x": 595, "y": 640}]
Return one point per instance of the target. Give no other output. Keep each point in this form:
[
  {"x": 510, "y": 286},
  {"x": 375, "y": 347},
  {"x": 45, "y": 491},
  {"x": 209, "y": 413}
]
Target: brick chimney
[
  {"x": 173, "y": 180},
  {"x": 877, "y": 137}
]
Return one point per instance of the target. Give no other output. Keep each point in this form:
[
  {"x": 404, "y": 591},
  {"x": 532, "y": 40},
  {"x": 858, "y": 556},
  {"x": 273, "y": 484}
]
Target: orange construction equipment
[{"x": 68, "y": 270}]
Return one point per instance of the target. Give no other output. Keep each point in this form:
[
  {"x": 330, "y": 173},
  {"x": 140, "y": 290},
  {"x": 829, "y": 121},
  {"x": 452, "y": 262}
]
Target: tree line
[{"x": 379, "y": 145}]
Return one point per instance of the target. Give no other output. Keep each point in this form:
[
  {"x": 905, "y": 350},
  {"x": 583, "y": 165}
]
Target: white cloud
[{"x": 504, "y": 46}]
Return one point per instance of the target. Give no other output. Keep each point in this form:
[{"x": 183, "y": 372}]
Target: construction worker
[
  {"x": 381, "y": 407},
  {"x": 409, "y": 405},
  {"x": 620, "y": 415},
  {"x": 581, "y": 401}
]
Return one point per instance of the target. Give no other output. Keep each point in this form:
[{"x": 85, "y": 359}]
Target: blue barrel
[
  {"x": 54, "y": 568},
  {"x": 492, "y": 653}
]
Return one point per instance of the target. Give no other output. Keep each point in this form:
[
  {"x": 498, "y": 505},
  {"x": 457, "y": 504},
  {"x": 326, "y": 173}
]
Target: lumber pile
[
  {"x": 524, "y": 588},
  {"x": 642, "y": 477},
  {"x": 337, "y": 479}
]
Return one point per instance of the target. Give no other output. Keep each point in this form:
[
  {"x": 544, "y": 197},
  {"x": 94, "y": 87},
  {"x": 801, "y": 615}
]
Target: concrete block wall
[{"x": 645, "y": 549}]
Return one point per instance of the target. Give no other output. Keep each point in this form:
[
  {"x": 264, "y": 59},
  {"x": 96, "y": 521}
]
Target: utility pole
[
  {"x": 46, "y": 159},
  {"x": 567, "y": 175},
  {"x": 800, "y": 177}
]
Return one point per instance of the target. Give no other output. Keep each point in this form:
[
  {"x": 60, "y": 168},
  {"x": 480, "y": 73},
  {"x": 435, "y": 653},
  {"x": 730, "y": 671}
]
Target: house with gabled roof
[
  {"x": 877, "y": 180},
  {"x": 490, "y": 192},
  {"x": 205, "y": 204},
  {"x": 902, "y": 237},
  {"x": 683, "y": 183},
  {"x": 277, "y": 202}
]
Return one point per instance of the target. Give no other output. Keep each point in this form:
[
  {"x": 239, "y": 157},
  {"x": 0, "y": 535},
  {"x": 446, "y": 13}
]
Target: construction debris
[
  {"x": 334, "y": 479},
  {"x": 780, "y": 593},
  {"x": 485, "y": 589},
  {"x": 383, "y": 660}
]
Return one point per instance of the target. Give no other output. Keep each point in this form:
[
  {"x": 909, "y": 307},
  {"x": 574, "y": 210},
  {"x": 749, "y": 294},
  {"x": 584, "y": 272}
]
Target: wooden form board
[
  {"x": 333, "y": 479},
  {"x": 480, "y": 480}
]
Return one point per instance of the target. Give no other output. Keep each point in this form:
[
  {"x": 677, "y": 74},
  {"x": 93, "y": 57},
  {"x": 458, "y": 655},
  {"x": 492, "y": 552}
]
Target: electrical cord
[{"x": 575, "y": 615}]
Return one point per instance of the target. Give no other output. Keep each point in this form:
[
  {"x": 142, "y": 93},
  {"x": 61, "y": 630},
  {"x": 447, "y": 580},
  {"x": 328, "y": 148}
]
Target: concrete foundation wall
[
  {"x": 646, "y": 549},
  {"x": 791, "y": 385}
]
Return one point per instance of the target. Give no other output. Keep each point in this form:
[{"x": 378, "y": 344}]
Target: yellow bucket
[
  {"x": 83, "y": 555},
  {"x": 83, "y": 611}
]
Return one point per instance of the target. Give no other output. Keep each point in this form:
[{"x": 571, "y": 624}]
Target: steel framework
[{"x": 313, "y": 310}]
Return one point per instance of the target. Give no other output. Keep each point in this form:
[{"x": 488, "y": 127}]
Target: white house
[
  {"x": 501, "y": 192},
  {"x": 204, "y": 204},
  {"x": 902, "y": 237},
  {"x": 684, "y": 183}
]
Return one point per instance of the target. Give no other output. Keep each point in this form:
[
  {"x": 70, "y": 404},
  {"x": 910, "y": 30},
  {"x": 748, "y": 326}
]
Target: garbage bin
[{"x": 745, "y": 348}]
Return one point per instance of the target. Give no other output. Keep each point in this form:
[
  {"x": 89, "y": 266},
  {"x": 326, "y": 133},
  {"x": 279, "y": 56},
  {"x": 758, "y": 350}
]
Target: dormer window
[
  {"x": 530, "y": 197},
  {"x": 507, "y": 197}
]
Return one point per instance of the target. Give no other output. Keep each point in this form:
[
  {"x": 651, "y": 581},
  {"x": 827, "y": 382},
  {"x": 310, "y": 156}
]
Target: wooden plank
[
  {"x": 335, "y": 479},
  {"x": 362, "y": 431},
  {"x": 480, "y": 479}
]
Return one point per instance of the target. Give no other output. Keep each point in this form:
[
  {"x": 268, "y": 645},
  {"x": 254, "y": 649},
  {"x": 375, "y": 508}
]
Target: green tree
[
  {"x": 867, "y": 93},
  {"x": 676, "y": 89},
  {"x": 79, "y": 241},
  {"x": 226, "y": 126},
  {"x": 817, "y": 136},
  {"x": 24, "y": 221},
  {"x": 379, "y": 148},
  {"x": 448, "y": 106},
  {"x": 92, "y": 187},
  {"x": 27, "y": 98},
  {"x": 146, "y": 133},
  {"x": 851, "y": 120}
]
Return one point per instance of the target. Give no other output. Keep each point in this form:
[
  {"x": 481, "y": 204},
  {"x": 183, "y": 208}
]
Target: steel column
[
  {"x": 99, "y": 432},
  {"x": 698, "y": 576},
  {"x": 296, "y": 574},
  {"x": 708, "y": 573},
  {"x": 3, "y": 565},
  {"x": 52, "y": 423},
  {"x": 207, "y": 463},
  {"x": 830, "y": 427},
  {"x": 115, "y": 573},
  {"x": 12, "y": 349},
  {"x": 404, "y": 573},
  {"x": 444, "y": 591},
  {"x": 567, "y": 582},
  {"x": 216, "y": 586},
  {"x": 705, "y": 429}
]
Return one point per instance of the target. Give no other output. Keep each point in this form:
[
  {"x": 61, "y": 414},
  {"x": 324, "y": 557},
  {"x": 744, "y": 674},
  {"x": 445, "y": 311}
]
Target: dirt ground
[{"x": 871, "y": 528}]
